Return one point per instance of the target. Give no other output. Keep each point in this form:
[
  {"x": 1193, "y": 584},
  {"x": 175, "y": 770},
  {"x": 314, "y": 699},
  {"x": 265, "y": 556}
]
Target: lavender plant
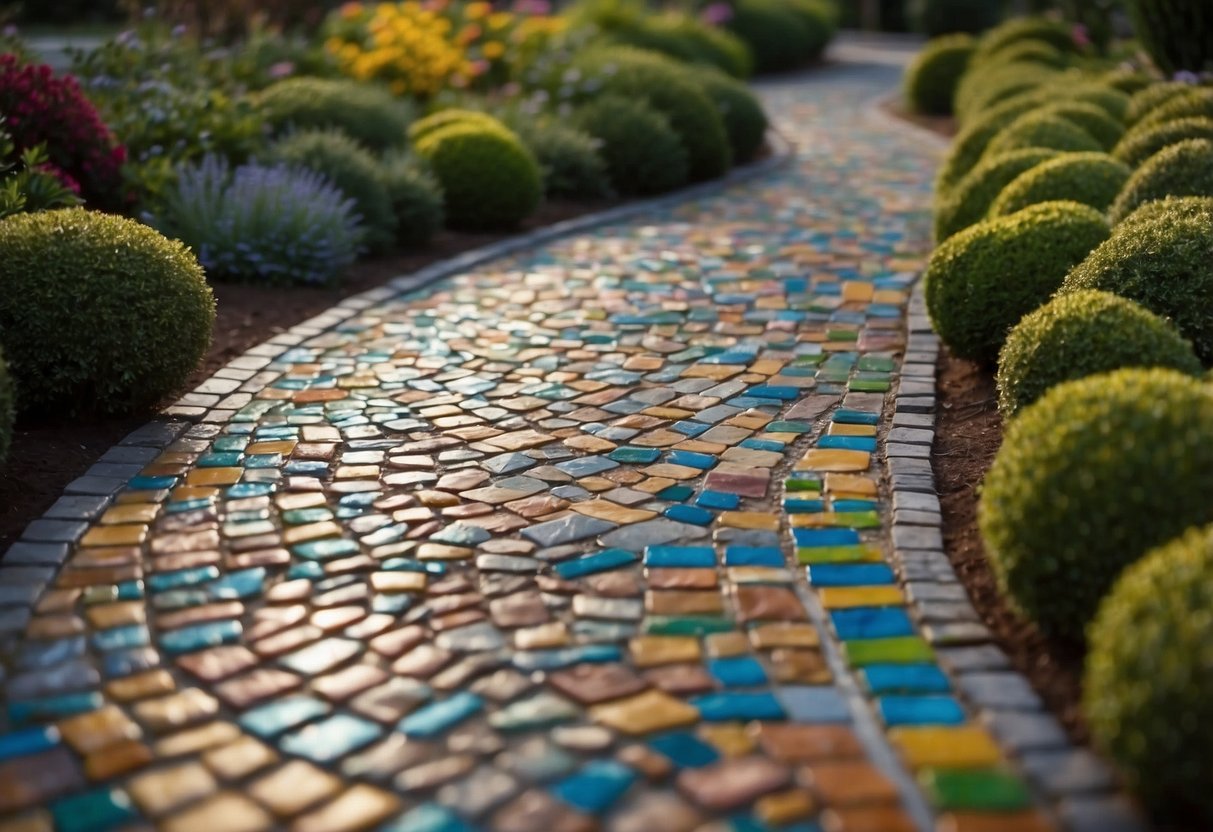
[{"x": 258, "y": 223}]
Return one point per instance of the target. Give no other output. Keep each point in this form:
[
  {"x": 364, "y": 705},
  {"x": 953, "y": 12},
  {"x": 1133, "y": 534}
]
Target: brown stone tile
[
  {"x": 732, "y": 783},
  {"x": 288, "y": 790},
  {"x": 766, "y": 603},
  {"x": 867, "y": 819},
  {"x": 849, "y": 782},
  {"x": 792, "y": 743},
  {"x": 590, "y": 684}
]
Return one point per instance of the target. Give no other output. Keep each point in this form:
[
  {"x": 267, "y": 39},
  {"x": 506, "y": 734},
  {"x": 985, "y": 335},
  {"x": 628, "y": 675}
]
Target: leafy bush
[
  {"x": 664, "y": 86},
  {"x": 43, "y": 110},
  {"x": 777, "y": 37},
  {"x": 1161, "y": 260},
  {"x": 568, "y": 159},
  {"x": 366, "y": 113},
  {"x": 1017, "y": 30},
  {"x": 943, "y": 17},
  {"x": 1194, "y": 104},
  {"x": 1083, "y": 334},
  {"x": 643, "y": 154},
  {"x": 445, "y": 118},
  {"x": 1182, "y": 169},
  {"x": 7, "y": 410},
  {"x": 1145, "y": 101},
  {"x": 262, "y": 224},
  {"x": 354, "y": 171},
  {"x": 745, "y": 122},
  {"x": 1091, "y": 118},
  {"x": 1090, "y": 178},
  {"x": 1127, "y": 80},
  {"x": 1090, "y": 478},
  {"x": 1041, "y": 129},
  {"x": 489, "y": 179},
  {"x": 1178, "y": 34},
  {"x": 971, "y": 142},
  {"x": 980, "y": 282},
  {"x": 932, "y": 77},
  {"x": 25, "y": 184},
  {"x": 1148, "y": 674},
  {"x": 417, "y": 199},
  {"x": 99, "y": 315},
  {"x": 969, "y": 202},
  {"x": 978, "y": 91},
  {"x": 1142, "y": 142},
  {"x": 676, "y": 35},
  {"x": 1109, "y": 99},
  {"x": 1027, "y": 52}
]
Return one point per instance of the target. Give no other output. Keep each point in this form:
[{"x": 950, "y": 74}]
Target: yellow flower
[
  {"x": 493, "y": 50},
  {"x": 500, "y": 20},
  {"x": 475, "y": 11}
]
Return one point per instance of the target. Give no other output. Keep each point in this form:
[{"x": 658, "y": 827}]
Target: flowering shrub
[
  {"x": 42, "y": 109},
  {"x": 270, "y": 224}
]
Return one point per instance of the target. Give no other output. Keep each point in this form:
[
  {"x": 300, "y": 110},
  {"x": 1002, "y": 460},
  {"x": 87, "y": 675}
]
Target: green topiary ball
[
  {"x": 1195, "y": 104},
  {"x": 7, "y": 410},
  {"x": 642, "y": 153},
  {"x": 1020, "y": 29},
  {"x": 1182, "y": 169},
  {"x": 972, "y": 141},
  {"x": 982, "y": 281},
  {"x": 1194, "y": 207},
  {"x": 978, "y": 91},
  {"x": 1028, "y": 52},
  {"x": 99, "y": 315},
  {"x": 777, "y": 37},
  {"x": 1126, "y": 80},
  {"x": 1038, "y": 129},
  {"x": 1160, "y": 259},
  {"x": 745, "y": 122},
  {"x": 1091, "y": 118},
  {"x": 568, "y": 158},
  {"x": 930, "y": 80},
  {"x": 1083, "y": 334},
  {"x": 1140, "y": 143},
  {"x": 416, "y": 199},
  {"x": 969, "y": 202},
  {"x": 350, "y": 167},
  {"x": 445, "y": 118},
  {"x": 1155, "y": 95},
  {"x": 489, "y": 179},
  {"x": 1148, "y": 674},
  {"x": 1090, "y": 178},
  {"x": 367, "y": 113},
  {"x": 1088, "y": 479}
]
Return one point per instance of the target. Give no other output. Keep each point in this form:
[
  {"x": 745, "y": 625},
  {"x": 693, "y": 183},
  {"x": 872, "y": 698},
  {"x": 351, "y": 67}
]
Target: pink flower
[
  {"x": 282, "y": 69},
  {"x": 717, "y": 13},
  {"x": 1080, "y": 35}
]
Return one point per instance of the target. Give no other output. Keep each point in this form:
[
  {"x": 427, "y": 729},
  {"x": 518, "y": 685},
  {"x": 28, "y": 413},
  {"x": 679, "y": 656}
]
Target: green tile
[
  {"x": 901, "y": 650},
  {"x": 983, "y": 790}
]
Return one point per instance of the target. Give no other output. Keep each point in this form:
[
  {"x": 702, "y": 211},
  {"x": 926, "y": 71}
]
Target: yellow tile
[
  {"x": 651, "y": 651},
  {"x": 131, "y": 513},
  {"x": 401, "y": 581},
  {"x": 280, "y": 446},
  {"x": 359, "y": 807},
  {"x": 851, "y": 484},
  {"x": 965, "y": 746},
  {"x": 716, "y": 372},
  {"x": 839, "y": 429},
  {"x": 841, "y": 597},
  {"x": 127, "y": 535},
  {"x": 229, "y": 811},
  {"x": 832, "y": 459},
  {"x": 889, "y": 296},
  {"x": 645, "y": 713},
  {"x": 854, "y": 290},
  {"x": 723, "y": 645},
  {"x": 749, "y": 520},
  {"x": 669, "y": 470},
  {"x": 214, "y": 476},
  {"x": 188, "y": 492},
  {"x": 310, "y": 531},
  {"x": 784, "y": 635},
  {"x": 784, "y": 807},
  {"x": 730, "y": 738},
  {"x": 541, "y": 636},
  {"x": 612, "y": 512}
]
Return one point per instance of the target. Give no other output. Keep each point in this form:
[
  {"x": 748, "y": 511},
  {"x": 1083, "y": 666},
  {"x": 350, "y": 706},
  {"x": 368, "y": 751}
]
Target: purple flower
[
  {"x": 717, "y": 13},
  {"x": 282, "y": 69}
]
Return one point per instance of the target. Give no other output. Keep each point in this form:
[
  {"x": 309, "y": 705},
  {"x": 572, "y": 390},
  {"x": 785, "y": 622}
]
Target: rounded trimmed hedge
[
  {"x": 416, "y": 200},
  {"x": 350, "y": 167},
  {"x": 445, "y": 118},
  {"x": 99, "y": 315},
  {"x": 367, "y": 113},
  {"x": 1195, "y": 104},
  {"x": 1155, "y": 95},
  {"x": 7, "y": 410},
  {"x": 745, "y": 122},
  {"x": 1090, "y": 178},
  {"x": 1160, "y": 259},
  {"x": 779, "y": 37},
  {"x": 568, "y": 158},
  {"x": 969, "y": 202},
  {"x": 642, "y": 152},
  {"x": 1090, "y": 478},
  {"x": 489, "y": 179},
  {"x": 1148, "y": 674},
  {"x": 1040, "y": 129},
  {"x": 977, "y": 91},
  {"x": 983, "y": 280},
  {"x": 969, "y": 146},
  {"x": 931, "y": 79},
  {"x": 678, "y": 36},
  {"x": 1083, "y": 334},
  {"x": 1128, "y": 81},
  {"x": 1140, "y": 143},
  {"x": 1182, "y": 169},
  {"x": 1091, "y": 118},
  {"x": 1016, "y": 30},
  {"x": 1024, "y": 51},
  {"x": 944, "y": 17}
]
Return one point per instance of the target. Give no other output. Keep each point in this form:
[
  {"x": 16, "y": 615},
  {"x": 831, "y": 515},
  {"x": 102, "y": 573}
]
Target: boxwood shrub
[
  {"x": 7, "y": 410},
  {"x": 978, "y": 91},
  {"x": 568, "y": 158},
  {"x": 1090, "y": 178},
  {"x": 367, "y": 113},
  {"x": 417, "y": 201},
  {"x": 971, "y": 142},
  {"x": 932, "y": 77},
  {"x": 1155, "y": 95},
  {"x": 969, "y": 202},
  {"x": 779, "y": 35},
  {"x": 422, "y": 127},
  {"x": 1160, "y": 259},
  {"x": 1196, "y": 103},
  {"x": 1090, "y": 117},
  {"x": 980, "y": 282},
  {"x": 1182, "y": 169},
  {"x": 99, "y": 315},
  {"x": 1040, "y": 129},
  {"x": 643, "y": 154},
  {"x": 1024, "y": 51},
  {"x": 1148, "y": 675},
  {"x": 745, "y": 122},
  {"x": 1083, "y": 334},
  {"x": 1090, "y": 478},
  {"x": 1020, "y": 29},
  {"x": 1140, "y": 143}
]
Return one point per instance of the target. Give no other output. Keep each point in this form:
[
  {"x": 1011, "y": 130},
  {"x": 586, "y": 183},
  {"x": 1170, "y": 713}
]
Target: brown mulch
[
  {"x": 943, "y": 125},
  {"x": 44, "y": 459},
  {"x": 968, "y": 435}
]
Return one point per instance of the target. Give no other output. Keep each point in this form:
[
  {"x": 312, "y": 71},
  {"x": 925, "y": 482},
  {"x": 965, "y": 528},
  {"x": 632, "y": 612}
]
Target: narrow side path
[{"x": 527, "y": 549}]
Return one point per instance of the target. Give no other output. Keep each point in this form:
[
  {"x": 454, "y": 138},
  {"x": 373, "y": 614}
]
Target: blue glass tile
[
  {"x": 200, "y": 636},
  {"x": 690, "y": 514},
  {"x": 235, "y": 585},
  {"x": 309, "y": 570},
  {"x": 729, "y": 706},
  {"x": 391, "y": 604},
  {"x": 747, "y": 823},
  {"x": 680, "y": 557},
  {"x": 812, "y": 538},
  {"x": 93, "y": 811},
  {"x": 848, "y": 443},
  {"x": 675, "y": 493},
  {"x": 814, "y": 703},
  {"x": 428, "y": 817},
  {"x": 244, "y": 490},
  {"x": 849, "y": 506},
  {"x": 182, "y": 577},
  {"x": 738, "y": 671},
  {"x": 691, "y": 429},
  {"x": 596, "y": 786},
  {"x": 871, "y": 622},
  {"x": 905, "y": 678},
  {"x": 52, "y": 707},
  {"x": 597, "y": 562},
  {"x": 220, "y": 459},
  {"x": 331, "y": 738},
  {"x": 438, "y": 717},
  {"x": 850, "y": 574},
  {"x": 793, "y": 506},
  {"x": 692, "y": 459},
  {"x": 769, "y": 391},
  {"x": 328, "y": 549},
  {"x": 920, "y": 710},
  {"x": 282, "y": 714},
  {"x": 753, "y": 556},
  {"x": 763, "y": 444},
  {"x": 121, "y": 663},
  {"x": 150, "y": 483},
  {"x": 847, "y": 416},
  {"x": 27, "y": 741},
  {"x": 718, "y": 500},
  {"x": 120, "y": 638},
  {"x": 640, "y": 456},
  {"x": 556, "y": 658},
  {"x": 685, "y": 750}
]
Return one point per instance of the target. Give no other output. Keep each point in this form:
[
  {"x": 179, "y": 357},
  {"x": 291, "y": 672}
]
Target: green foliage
[
  {"x": 1020, "y": 29},
  {"x": 1091, "y": 118},
  {"x": 980, "y": 282},
  {"x": 679, "y": 36},
  {"x": 445, "y": 118},
  {"x": 642, "y": 153},
  {"x": 1083, "y": 334},
  {"x": 969, "y": 202},
  {"x": 1090, "y": 478},
  {"x": 1160, "y": 258},
  {"x": 489, "y": 178},
  {"x": 1197, "y": 103},
  {"x": 350, "y": 167},
  {"x": 1109, "y": 99},
  {"x": 1148, "y": 674},
  {"x": 944, "y": 17},
  {"x": 1178, "y": 34},
  {"x": 1182, "y": 169},
  {"x": 7, "y": 410},
  {"x": 930, "y": 80},
  {"x": 25, "y": 184},
  {"x": 568, "y": 158},
  {"x": 1027, "y": 52},
  {"x": 1128, "y": 81},
  {"x": 979, "y": 91},
  {"x": 1143, "y": 141},
  {"x": 745, "y": 122},
  {"x": 971, "y": 142},
  {"x": 1148, "y": 99},
  {"x": 416, "y": 199},
  {"x": 99, "y": 315},
  {"x": 1042, "y": 129},
  {"x": 365, "y": 112},
  {"x": 779, "y": 35},
  {"x": 1090, "y": 178}
]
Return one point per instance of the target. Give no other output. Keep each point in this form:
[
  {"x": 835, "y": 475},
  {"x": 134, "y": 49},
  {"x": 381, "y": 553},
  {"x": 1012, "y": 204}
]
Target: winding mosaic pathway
[{"x": 593, "y": 537}]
